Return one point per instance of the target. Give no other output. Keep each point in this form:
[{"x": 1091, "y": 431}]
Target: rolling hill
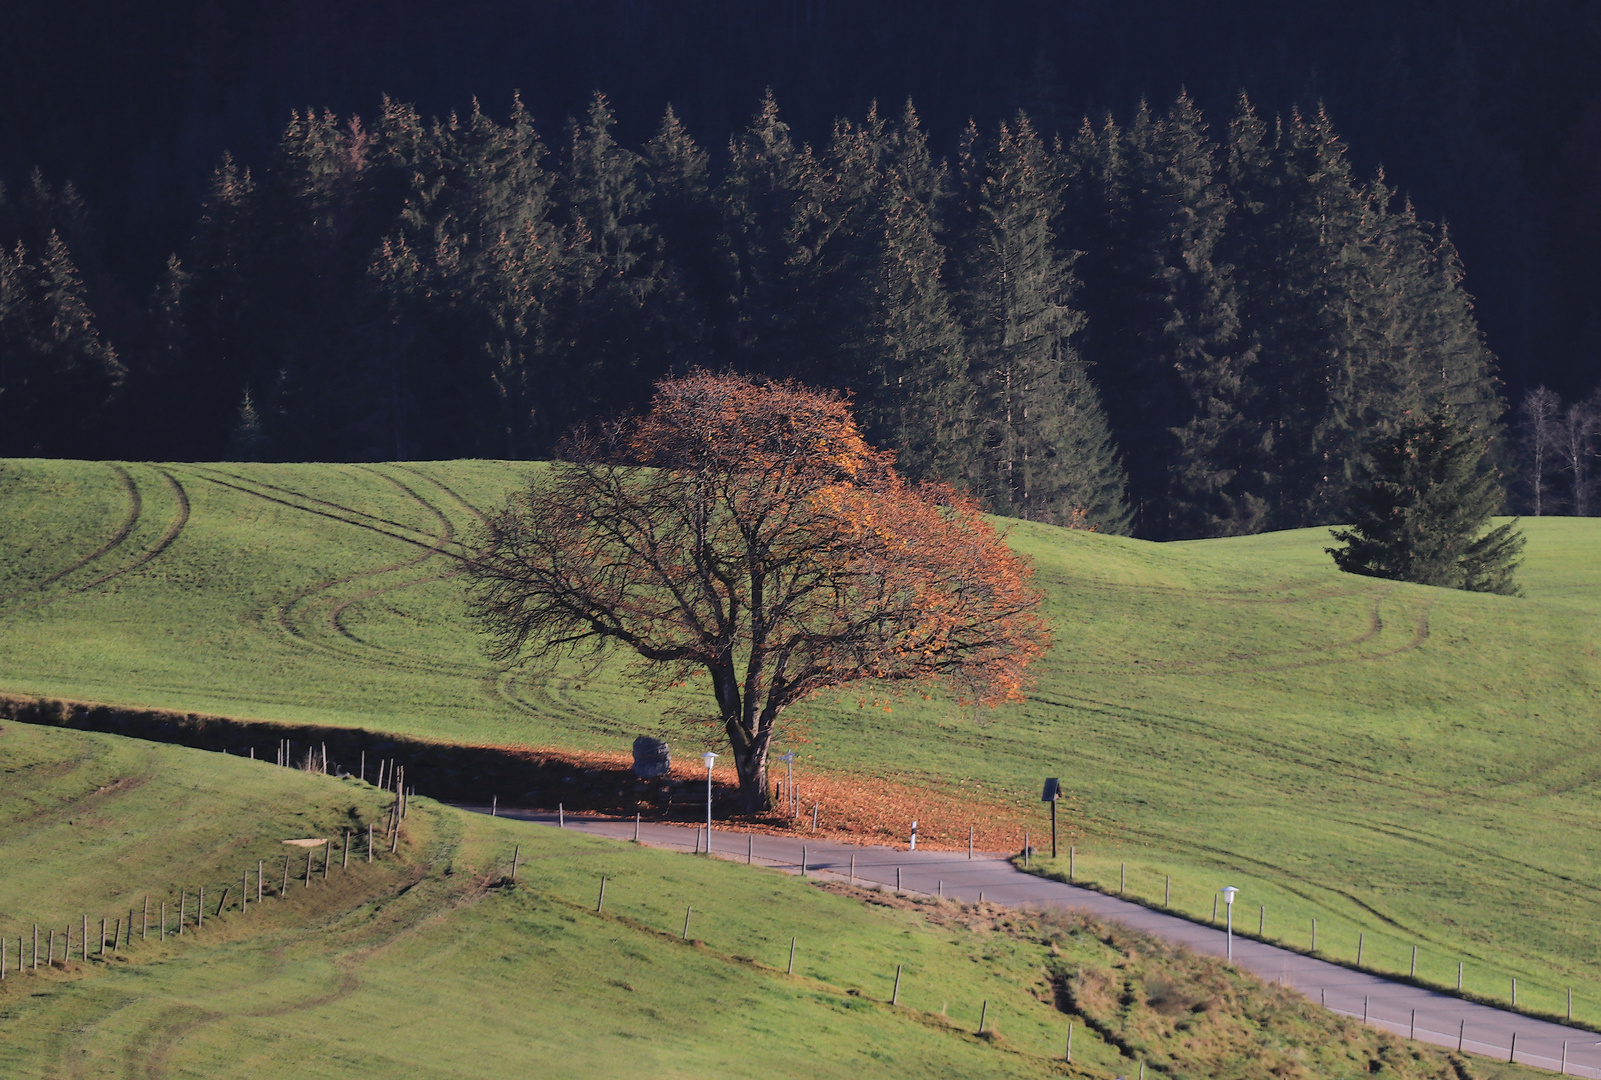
[
  {"x": 1411, "y": 764},
  {"x": 430, "y": 962}
]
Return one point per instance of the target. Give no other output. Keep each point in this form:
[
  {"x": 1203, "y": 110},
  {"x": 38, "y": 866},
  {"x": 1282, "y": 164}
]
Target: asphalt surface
[{"x": 1408, "y": 1011}]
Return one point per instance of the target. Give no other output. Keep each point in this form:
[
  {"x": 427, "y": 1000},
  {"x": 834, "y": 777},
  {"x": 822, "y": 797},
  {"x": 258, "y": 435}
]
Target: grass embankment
[
  {"x": 1414, "y": 764},
  {"x": 428, "y": 963}
]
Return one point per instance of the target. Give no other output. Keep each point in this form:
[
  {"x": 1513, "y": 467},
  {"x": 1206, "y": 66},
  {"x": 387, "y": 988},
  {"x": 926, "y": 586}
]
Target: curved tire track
[
  {"x": 1420, "y": 634},
  {"x": 286, "y": 612},
  {"x": 367, "y": 653},
  {"x": 158, "y": 1052},
  {"x": 284, "y": 502},
  {"x": 399, "y": 658},
  {"x": 155, "y": 550},
  {"x": 1374, "y": 628},
  {"x": 135, "y": 508},
  {"x": 285, "y": 618},
  {"x": 161, "y": 545},
  {"x": 483, "y": 518},
  {"x": 303, "y": 497}
]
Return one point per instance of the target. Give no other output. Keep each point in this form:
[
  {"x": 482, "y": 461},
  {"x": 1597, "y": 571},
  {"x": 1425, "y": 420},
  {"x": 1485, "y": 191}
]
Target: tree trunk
[
  {"x": 754, "y": 798},
  {"x": 750, "y": 761}
]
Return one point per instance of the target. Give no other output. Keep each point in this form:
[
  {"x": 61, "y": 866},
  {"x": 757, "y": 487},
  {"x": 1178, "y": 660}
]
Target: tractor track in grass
[
  {"x": 76, "y": 805},
  {"x": 411, "y": 660},
  {"x": 297, "y": 629},
  {"x": 437, "y": 544},
  {"x": 156, "y": 1056},
  {"x": 1289, "y": 758},
  {"x": 483, "y": 518},
  {"x": 329, "y": 514},
  {"x": 375, "y": 519},
  {"x": 1292, "y": 757},
  {"x": 1420, "y": 634},
  {"x": 1279, "y": 874},
  {"x": 1240, "y": 663},
  {"x": 1425, "y": 792},
  {"x": 161, "y": 545},
  {"x": 176, "y": 527},
  {"x": 1374, "y": 627},
  {"x": 1224, "y": 596},
  {"x": 1565, "y": 759},
  {"x": 287, "y": 616},
  {"x": 1522, "y": 871},
  {"x": 504, "y": 684},
  {"x": 117, "y": 538},
  {"x": 1308, "y": 889}
]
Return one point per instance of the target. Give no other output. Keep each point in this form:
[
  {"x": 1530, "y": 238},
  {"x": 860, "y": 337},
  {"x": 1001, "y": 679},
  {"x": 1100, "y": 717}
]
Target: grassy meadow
[
  {"x": 429, "y": 963},
  {"x": 1414, "y": 764}
]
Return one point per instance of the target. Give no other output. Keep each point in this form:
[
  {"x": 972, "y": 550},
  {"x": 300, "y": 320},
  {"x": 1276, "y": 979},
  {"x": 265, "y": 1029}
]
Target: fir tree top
[{"x": 1419, "y": 511}]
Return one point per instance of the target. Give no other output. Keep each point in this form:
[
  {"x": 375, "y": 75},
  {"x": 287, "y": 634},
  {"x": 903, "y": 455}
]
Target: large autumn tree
[{"x": 747, "y": 530}]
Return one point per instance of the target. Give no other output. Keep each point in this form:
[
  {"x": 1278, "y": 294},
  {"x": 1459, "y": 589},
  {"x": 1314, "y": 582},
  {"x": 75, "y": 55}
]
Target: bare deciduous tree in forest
[
  {"x": 1576, "y": 450},
  {"x": 1539, "y": 414}
]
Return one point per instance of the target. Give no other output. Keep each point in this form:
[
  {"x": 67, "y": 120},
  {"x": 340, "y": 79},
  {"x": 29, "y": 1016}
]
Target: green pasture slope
[
  {"x": 428, "y": 963},
  {"x": 1416, "y": 764}
]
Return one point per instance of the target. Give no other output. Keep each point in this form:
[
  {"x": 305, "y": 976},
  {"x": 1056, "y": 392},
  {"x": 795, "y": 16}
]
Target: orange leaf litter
[{"x": 851, "y": 808}]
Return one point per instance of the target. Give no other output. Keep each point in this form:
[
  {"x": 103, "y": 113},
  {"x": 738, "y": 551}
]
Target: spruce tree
[
  {"x": 1356, "y": 307},
  {"x": 1147, "y": 206},
  {"x": 615, "y": 340},
  {"x": 1295, "y": 250},
  {"x": 249, "y": 440},
  {"x": 1046, "y": 453},
  {"x": 1419, "y": 509},
  {"x": 883, "y": 325},
  {"x": 693, "y": 296},
  {"x": 217, "y": 328},
  {"x": 771, "y": 203},
  {"x": 918, "y": 401},
  {"x": 471, "y": 276},
  {"x": 57, "y": 372}
]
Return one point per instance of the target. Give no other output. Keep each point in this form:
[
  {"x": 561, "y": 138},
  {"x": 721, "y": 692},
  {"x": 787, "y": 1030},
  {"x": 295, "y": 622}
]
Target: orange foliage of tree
[{"x": 748, "y": 530}]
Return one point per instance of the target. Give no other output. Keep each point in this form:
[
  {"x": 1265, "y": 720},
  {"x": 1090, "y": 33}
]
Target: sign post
[
  {"x": 791, "y": 808},
  {"x": 1053, "y": 792}
]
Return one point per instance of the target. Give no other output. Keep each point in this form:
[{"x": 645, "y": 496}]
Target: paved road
[{"x": 1405, "y": 1010}]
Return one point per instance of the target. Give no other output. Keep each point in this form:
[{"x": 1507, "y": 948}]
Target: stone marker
[{"x": 651, "y": 758}]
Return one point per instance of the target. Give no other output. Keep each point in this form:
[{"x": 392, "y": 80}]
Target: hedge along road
[{"x": 1405, "y": 1010}]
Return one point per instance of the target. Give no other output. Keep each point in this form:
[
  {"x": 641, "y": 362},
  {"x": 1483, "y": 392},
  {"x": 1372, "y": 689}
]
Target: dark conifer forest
[{"x": 1146, "y": 267}]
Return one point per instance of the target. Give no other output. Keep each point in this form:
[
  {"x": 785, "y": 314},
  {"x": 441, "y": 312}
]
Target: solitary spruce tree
[{"x": 1424, "y": 497}]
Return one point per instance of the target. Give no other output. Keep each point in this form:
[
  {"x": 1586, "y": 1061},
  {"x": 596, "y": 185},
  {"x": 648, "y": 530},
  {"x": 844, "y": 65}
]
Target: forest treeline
[{"x": 1150, "y": 324}]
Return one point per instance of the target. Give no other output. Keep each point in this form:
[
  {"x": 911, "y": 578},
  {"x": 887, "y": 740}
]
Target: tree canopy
[
  {"x": 746, "y": 530},
  {"x": 1162, "y": 325},
  {"x": 1424, "y": 499}
]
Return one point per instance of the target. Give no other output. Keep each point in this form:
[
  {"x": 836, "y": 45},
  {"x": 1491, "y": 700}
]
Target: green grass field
[
  {"x": 428, "y": 963},
  {"x": 1416, "y": 764}
]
